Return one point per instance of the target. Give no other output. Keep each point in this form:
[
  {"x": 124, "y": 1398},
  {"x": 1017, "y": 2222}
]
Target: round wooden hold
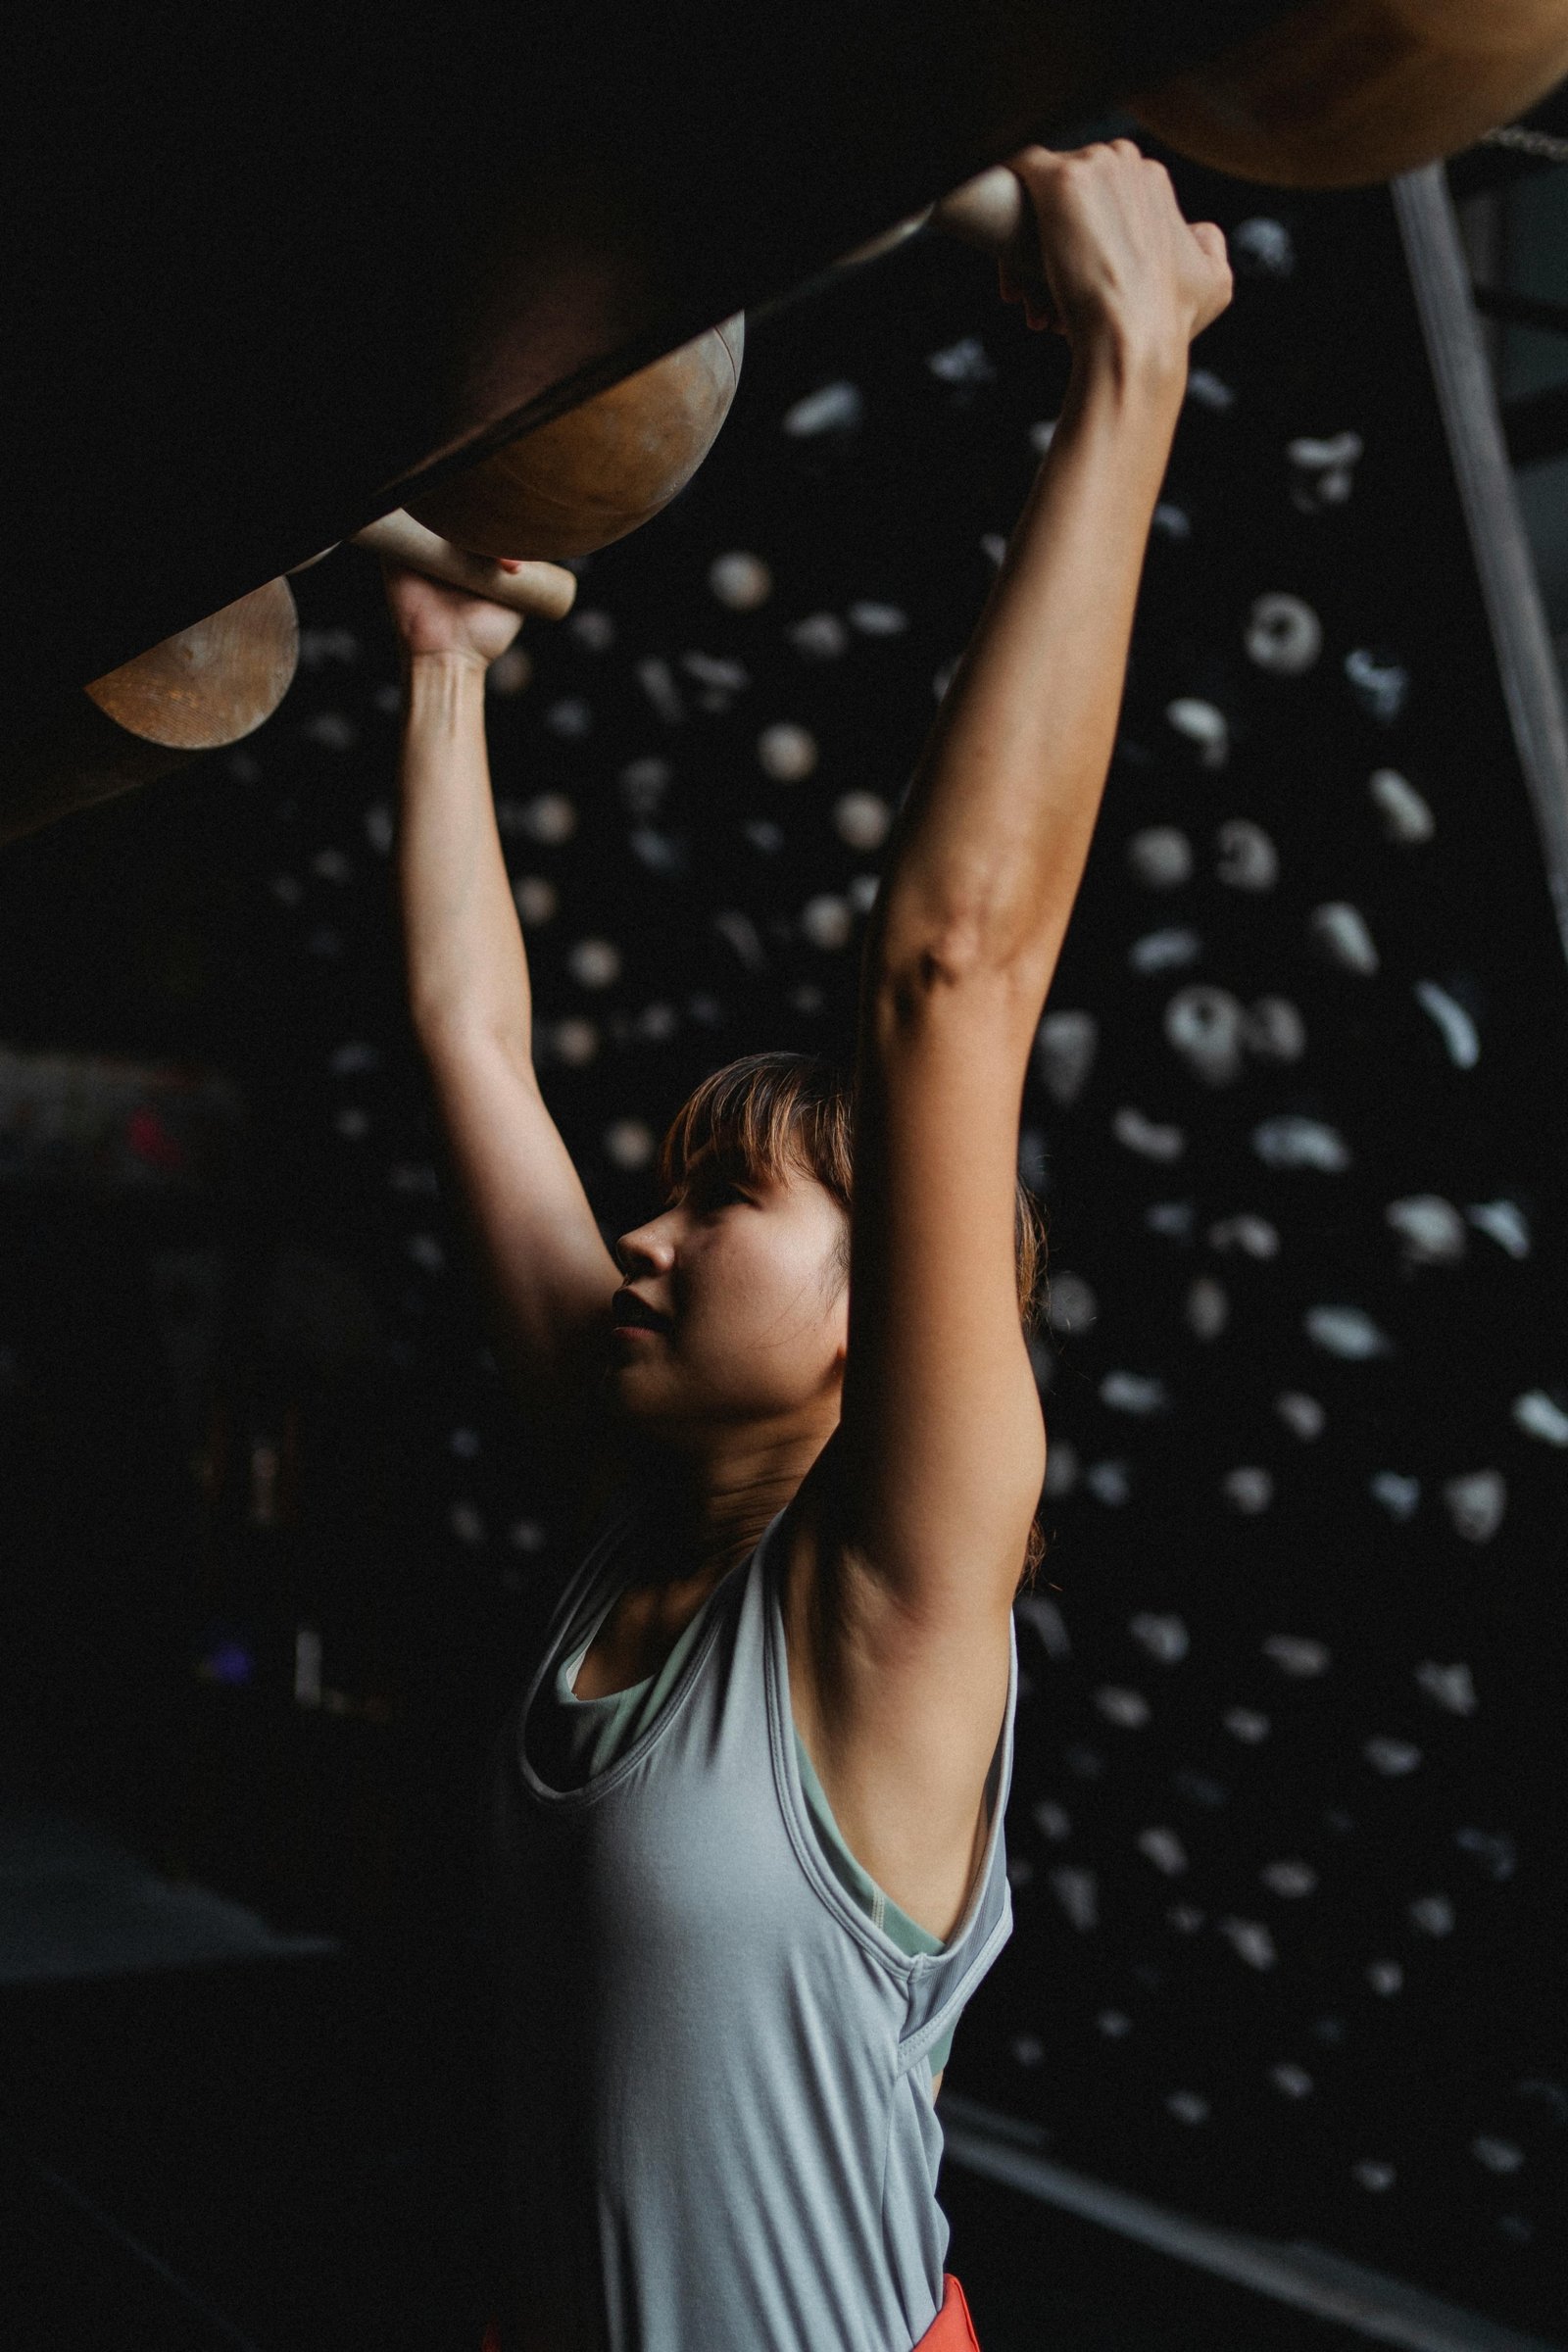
[
  {"x": 1343, "y": 92},
  {"x": 214, "y": 682},
  {"x": 209, "y": 685},
  {"x": 594, "y": 473}
]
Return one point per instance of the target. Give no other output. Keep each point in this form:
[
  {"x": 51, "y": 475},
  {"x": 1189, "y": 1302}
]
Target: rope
[{"x": 1522, "y": 142}]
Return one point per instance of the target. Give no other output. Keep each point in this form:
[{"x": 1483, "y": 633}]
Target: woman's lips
[{"x": 630, "y": 1313}]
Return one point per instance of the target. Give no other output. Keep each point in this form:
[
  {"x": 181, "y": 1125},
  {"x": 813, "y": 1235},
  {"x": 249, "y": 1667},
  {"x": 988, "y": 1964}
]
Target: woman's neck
[{"x": 707, "y": 1512}]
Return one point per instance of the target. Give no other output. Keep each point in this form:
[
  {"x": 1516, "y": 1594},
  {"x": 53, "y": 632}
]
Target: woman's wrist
[
  {"x": 428, "y": 662},
  {"x": 1131, "y": 365},
  {"x": 443, "y": 686}
]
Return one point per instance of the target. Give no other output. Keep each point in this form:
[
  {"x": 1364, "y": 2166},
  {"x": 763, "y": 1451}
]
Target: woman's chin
[{"x": 630, "y": 1393}]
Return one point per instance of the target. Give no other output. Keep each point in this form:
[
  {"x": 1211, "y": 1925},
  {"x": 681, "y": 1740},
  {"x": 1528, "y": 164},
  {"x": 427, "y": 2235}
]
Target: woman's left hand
[{"x": 1120, "y": 263}]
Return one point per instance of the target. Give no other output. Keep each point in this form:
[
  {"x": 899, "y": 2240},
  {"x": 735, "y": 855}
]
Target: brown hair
[{"x": 771, "y": 1111}]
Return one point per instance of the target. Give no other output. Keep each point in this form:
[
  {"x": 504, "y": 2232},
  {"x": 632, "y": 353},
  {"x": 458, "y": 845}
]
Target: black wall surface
[{"x": 1286, "y": 1868}]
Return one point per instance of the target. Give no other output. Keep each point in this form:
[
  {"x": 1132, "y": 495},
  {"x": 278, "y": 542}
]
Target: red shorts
[{"x": 952, "y": 2330}]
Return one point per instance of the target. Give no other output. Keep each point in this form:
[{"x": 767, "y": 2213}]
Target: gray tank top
[{"x": 722, "y": 2136}]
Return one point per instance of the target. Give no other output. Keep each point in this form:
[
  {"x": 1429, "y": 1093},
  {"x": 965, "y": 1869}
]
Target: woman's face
[{"x": 733, "y": 1308}]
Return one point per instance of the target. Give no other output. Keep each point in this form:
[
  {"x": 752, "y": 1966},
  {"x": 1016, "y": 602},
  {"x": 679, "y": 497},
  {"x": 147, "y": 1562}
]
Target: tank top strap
[
  {"x": 935, "y": 1985},
  {"x": 943, "y": 1981}
]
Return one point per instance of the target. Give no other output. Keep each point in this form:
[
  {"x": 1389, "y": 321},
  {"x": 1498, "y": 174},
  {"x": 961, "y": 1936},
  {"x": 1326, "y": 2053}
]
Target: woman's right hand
[{"x": 432, "y": 619}]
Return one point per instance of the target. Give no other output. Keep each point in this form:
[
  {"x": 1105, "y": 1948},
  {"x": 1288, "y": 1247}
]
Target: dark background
[{"x": 1286, "y": 1866}]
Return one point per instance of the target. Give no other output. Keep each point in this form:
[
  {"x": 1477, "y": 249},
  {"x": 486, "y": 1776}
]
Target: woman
[{"x": 750, "y": 1807}]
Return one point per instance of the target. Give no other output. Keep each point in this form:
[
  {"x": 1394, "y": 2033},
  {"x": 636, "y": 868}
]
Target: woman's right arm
[{"x": 549, "y": 1272}]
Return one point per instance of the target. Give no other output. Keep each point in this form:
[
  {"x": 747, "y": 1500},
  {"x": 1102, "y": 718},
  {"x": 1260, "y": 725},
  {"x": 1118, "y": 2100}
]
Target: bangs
[
  {"x": 762, "y": 1116},
  {"x": 768, "y": 1114}
]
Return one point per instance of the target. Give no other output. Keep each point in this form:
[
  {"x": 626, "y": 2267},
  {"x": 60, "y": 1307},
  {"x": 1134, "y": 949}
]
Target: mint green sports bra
[{"x": 596, "y": 1730}]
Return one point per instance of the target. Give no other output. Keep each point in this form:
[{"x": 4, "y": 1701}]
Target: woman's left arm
[
  {"x": 941, "y": 1454},
  {"x": 941, "y": 1423}
]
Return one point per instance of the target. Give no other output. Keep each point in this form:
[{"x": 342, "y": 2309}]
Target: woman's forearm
[
  {"x": 993, "y": 838},
  {"x": 468, "y": 971}
]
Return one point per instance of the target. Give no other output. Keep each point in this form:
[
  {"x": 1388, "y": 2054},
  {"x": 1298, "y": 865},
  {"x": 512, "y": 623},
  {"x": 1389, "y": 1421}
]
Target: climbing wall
[{"x": 1283, "y": 1855}]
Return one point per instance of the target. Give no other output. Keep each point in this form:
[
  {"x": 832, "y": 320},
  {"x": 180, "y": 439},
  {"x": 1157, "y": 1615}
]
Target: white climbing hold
[
  {"x": 1207, "y": 1309},
  {"x": 1292, "y": 1142},
  {"x": 1323, "y": 472},
  {"x": 1078, "y": 1893},
  {"x": 1160, "y": 858},
  {"x": 1134, "y": 1393},
  {"x": 1203, "y": 726},
  {"x": 1245, "y": 857},
  {"x": 1456, "y": 1026},
  {"x": 1250, "y": 1941},
  {"x": 1165, "y": 1849},
  {"x": 1502, "y": 1222},
  {"x": 833, "y": 407},
  {"x": 1045, "y": 1621},
  {"x": 1476, "y": 1504},
  {"x": 1146, "y": 1136},
  {"x": 1204, "y": 1025},
  {"x": 739, "y": 580},
  {"x": 1291, "y": 1878},
  {"x": 1346, "y": 1331},
  {"x": 1166, "y": 1638},
  {"x": 821, "y": 636},
  {"x": 1206, "y": 390},
  {"x": 1297, "y": 1654},
  {"x": 1065, "y": 1046},
  {"x": 863, "y": 819},
  {"x": 594, "y": 962},
  {"x": 1070, "y": 1304},
  {"x": 1540, "y": 1417},
  {"x": 1378, "y": 681},
  {"x": 874, "y": 619},
  {"x": 1339, "y": 932},
  {"x": 787, "y": 753},
  {"x": 1398, "y": 1494},
  {"x": 1254, "y": 1237},
  {"x": 1301, "y": 1415},
  {"x": 1246, "y": 1724},
  {"x": 1450, "y": 1687},
  {"x": 1293, "y": 2081},
  {"x": 1248, "y": 1490},
  {"x": 827, "y": 921},
  {"x": 1128, "y": 1709},
  {"x": 1274, "y": 1030},
  {"x": 1164, "y": 951},
  {"x": 1431, "y": 1230},
  {"x": 1284, "y": 635},
  {"x": 1393, "y": 1758},
  {"x": 1263, "y": 247},
  {"x": 1404, "y": 813}
]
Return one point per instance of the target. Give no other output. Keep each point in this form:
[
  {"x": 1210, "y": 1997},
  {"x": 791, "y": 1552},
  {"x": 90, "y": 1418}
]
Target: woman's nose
[{"x": 646, "y": 1245}]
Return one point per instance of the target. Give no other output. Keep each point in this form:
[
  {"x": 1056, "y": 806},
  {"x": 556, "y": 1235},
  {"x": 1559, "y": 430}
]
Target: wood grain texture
[
  {"x": 208, "y": 685},
  {"x": 594, "y": 474},
  {"x": 1344, "y": 92},
  {"x": 213, "y": 684}
]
